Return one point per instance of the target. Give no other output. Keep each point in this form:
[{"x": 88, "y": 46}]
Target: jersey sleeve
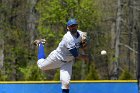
[{"x": 70, "y": 45}]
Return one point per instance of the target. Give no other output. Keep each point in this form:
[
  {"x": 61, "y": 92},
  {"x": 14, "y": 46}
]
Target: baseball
[{"x": 103, "y": 52}]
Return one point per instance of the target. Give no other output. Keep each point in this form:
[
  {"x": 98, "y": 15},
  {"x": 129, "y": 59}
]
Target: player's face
[{"x": 73, "y": 28}]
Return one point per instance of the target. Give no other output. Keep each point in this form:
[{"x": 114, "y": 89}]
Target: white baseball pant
[{"x": 52, "y": 62}]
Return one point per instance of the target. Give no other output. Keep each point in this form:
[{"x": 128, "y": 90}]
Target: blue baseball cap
[{"x": 72, "y": 22}]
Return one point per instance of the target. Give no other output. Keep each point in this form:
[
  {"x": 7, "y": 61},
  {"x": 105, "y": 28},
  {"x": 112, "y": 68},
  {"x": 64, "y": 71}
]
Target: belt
[{"x": 66, "y": 61}]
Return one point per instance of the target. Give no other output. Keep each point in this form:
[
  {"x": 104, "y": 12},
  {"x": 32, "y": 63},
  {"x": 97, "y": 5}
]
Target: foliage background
[{"x": 23, "y": 21}]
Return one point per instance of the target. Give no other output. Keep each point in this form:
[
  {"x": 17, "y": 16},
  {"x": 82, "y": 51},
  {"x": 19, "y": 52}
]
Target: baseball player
[{"x": 64, "y": 55}]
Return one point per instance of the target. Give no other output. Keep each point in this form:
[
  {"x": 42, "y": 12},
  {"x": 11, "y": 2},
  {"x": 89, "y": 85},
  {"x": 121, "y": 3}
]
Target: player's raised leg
[{"x": 41, "y": 53}]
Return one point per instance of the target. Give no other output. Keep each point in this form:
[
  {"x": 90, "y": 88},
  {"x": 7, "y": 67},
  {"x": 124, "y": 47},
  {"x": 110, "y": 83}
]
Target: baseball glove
[{"x": 83, "y": 43}]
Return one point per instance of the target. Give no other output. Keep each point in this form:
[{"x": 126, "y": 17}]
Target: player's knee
[
  {"x": 40, "y": 65},
  {"x": 65, "y": 84}
]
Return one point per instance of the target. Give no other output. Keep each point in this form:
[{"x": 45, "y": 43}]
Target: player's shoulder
[
  {"x": 80, "y": 32},
  {"x": 67, "y": 36}
]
